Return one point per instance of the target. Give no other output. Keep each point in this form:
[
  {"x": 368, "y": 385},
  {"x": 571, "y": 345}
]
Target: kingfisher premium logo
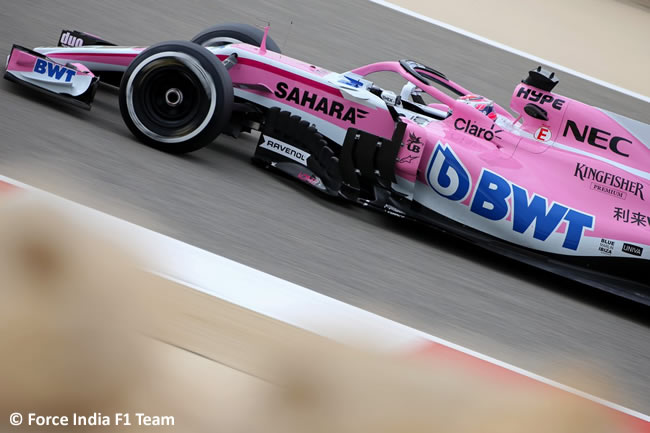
[{"x": 608, "y": 183}]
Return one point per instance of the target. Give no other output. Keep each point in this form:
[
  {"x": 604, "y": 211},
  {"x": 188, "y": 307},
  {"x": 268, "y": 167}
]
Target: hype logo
[
  {"x": 495, "y": 198},
  {"x": 447, "y": 175}
]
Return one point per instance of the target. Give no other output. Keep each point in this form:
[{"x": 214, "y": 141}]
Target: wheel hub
[{"x": 173, "y": 97}]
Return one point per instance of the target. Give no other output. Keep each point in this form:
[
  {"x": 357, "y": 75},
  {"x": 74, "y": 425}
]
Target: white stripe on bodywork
[
  {"x": 551, "y": 143},
  {"x": 328, "y": 129},
  {"x": 107, "y": 50},
  {"x": 360, "y": 96},
  {"x": 404, "y": 186},
  {"x": 640, "y": 130},
  {"x": 229, "y": 49},
  {"x": 93, "y": 66},
  {"x": 75, "y": 87},
  {"x": 631, "y": 170}
]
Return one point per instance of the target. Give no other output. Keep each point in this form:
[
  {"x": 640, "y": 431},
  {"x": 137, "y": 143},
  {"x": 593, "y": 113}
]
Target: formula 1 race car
[{"x": 562, "y": 186}]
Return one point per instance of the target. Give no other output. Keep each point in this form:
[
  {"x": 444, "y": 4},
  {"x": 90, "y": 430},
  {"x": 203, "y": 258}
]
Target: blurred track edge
[
  {"x": 465, "y": 31},
  {"x": 76, "y": 329}
]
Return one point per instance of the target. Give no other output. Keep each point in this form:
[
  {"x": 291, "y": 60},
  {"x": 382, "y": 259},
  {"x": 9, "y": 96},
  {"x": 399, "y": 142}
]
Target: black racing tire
[
  {"x": 232, "y": 33},
  {"x": 176, "y": 97}
]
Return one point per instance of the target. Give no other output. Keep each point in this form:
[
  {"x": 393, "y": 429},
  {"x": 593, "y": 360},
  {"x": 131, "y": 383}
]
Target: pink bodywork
[
  {"x": 20, "y": 61},
  {"x": 308, "y": 78},
  {"x": 572, "y": 159},
  {"x": 552, "y": 159},
  {"x": 116, "y": 59},
  {"x": 564, "y": 165},
  {"x": 23, "y": 61}
]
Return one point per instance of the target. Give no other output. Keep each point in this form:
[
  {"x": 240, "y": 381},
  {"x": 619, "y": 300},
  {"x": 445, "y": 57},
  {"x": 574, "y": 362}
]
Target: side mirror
[{"x": 536, "y": 112}]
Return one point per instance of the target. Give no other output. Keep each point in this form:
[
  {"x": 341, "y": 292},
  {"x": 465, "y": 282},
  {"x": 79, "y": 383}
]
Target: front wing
[{"x": 72, "y": 82}]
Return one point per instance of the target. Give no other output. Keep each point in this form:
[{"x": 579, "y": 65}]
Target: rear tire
[
  {"x": 176, "y": 97},
  {"x": 233, "y": 33}
]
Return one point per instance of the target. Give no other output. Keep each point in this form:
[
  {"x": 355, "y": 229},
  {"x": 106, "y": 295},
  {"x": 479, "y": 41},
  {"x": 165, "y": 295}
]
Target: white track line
[
  {"x": 511, "y": 50},
  {"x": 276, "y": 298},
  {"x": 306, "y": 309}
]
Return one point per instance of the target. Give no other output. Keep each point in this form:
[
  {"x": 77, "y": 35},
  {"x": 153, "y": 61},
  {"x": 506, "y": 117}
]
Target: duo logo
[
  {"x": 449, "y": 178},
  {"x": 54, "y": 70}
]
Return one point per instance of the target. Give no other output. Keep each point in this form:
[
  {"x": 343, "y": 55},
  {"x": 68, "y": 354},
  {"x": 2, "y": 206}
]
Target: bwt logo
[
  {"x": 54, "y": 70},
  {"x": 496, "y": 197}
]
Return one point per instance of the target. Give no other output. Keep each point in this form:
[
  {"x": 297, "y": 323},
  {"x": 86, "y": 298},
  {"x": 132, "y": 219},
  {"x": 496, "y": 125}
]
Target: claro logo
[
  {"x": 316, "y": 102},
  {"x": 470, "y": 128},
  {"x": 595, "y": 137}
]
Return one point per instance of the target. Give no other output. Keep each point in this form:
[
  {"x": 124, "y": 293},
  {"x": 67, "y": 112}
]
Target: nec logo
[
  {"x": 54, "y": 70},
  {"x": 595, "y": 137},
  {"x": 542, "y": 98}
]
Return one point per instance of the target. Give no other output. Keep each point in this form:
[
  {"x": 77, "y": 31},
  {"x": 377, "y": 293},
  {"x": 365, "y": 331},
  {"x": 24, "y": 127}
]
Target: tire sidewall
[{"x": 217, "y": 87}]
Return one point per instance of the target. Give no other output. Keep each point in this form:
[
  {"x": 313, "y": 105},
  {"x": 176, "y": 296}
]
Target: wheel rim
[{"x": 170, "y": 97}]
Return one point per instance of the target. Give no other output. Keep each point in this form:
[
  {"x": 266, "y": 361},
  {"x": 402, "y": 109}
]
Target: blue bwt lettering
[
  {"x": 578, "y": 221},
  {"x": 490, "y": 198},
  {"x": 449, "y": 178},
  {"x": 40, "y": 66},
  {"x": 535, "y": 211},
  {"x": 54, "y": 70}
]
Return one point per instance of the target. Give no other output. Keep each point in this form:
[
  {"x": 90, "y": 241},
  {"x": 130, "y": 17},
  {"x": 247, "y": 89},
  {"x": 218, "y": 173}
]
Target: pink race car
[{"x": 561, "y": 186}]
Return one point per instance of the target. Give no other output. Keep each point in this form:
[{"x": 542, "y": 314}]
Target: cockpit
[{"x": 427, "y": 95}]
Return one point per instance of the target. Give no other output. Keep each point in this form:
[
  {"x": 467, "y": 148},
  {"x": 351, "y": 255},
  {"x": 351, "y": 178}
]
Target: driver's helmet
[{"x": 482, "y": 104}]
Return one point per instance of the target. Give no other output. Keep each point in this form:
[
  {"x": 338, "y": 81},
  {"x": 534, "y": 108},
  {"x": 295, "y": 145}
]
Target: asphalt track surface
[{"x": 215, "y": 199}]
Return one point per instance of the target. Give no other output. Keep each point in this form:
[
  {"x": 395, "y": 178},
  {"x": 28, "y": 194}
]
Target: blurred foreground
[
  {"x": 84, "y": 330},
  {"x": 577, "y": 34}
]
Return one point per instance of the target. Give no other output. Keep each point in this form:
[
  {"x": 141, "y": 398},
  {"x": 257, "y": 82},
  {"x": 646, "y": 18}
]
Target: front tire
[
  {"x": 234, "y": 33},
  {"x": 176, "y": 97}
]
